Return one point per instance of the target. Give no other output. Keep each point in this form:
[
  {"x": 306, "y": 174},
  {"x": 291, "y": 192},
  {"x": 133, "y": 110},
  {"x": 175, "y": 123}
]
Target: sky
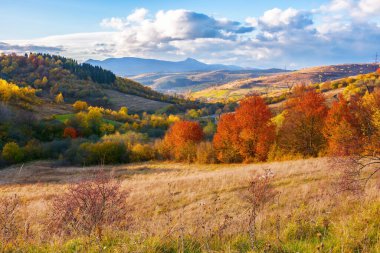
[{"x": 249, "y": 33}]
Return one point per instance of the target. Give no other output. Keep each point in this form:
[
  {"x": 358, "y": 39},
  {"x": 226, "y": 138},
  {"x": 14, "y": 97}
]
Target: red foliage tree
[
  {"x": 181, "y": 138},
  {"x": 342, "y": 129},
  {"x": 226, "y": 139},
  {"x": 70, "y": 132},
  {"x": 301, "y": 131},
  {"x": 249, "y": 132}
]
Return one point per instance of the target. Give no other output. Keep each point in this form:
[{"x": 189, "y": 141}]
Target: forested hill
[{"x": 53, "y": 75}]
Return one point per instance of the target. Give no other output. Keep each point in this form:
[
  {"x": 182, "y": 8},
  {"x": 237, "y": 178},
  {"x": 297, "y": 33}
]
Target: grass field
[
  {"x": 134, "y": 103},
  {"x": 200, "y": 208}
]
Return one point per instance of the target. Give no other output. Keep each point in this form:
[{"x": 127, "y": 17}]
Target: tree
[
  {"x": 181, "y": 138},
  {"x": 301, "y": 130},
  {"x": 59, "y": 98},
  {"x": 342, "y": 129},
  {"x": 226, "y": 139},
  {"x": 247, "y": 134},
  {"x": 210, "y": 129},
  {"x": 70, "y": 132},
  {"x": 80, "y": 105},
  {"x": 257, "y": 130},
  {"x": 353, "y": 133},
  {"x": 12, "y": 152}
]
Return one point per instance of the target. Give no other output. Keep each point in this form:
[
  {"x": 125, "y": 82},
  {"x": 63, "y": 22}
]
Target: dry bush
[
  {"x": 356, "y": 172},
  {"x": 90, "y": 206},
  {"x": 260, "y": 192},
  {"x": 9, "y": 218}
]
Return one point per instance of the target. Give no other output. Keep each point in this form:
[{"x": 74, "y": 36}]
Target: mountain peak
[{"x": 191, "y": 60}]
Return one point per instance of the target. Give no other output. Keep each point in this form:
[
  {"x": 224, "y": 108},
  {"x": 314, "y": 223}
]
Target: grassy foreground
[{"x": 200, "y": 208}]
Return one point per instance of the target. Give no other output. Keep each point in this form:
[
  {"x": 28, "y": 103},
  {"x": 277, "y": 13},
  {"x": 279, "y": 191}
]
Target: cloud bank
[{"x": 338, "y": 32}]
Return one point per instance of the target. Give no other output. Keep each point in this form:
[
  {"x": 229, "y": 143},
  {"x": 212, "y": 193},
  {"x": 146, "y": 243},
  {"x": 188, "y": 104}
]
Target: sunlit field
[{"x": 201, "y": 208}]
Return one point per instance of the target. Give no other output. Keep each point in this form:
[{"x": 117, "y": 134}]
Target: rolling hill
[
  {"x": 128, "y": 66},
  {"x": 185, "y": 81},
  {"x": 279, "y": 82},
  {"x": 51, "y": 75}
]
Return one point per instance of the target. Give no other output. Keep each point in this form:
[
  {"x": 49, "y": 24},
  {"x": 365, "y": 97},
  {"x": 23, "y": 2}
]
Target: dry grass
[
  {"x": 134, "y": 103},
  {"x": 170, "y": 200},
  {"x": 158, "y": 189}
]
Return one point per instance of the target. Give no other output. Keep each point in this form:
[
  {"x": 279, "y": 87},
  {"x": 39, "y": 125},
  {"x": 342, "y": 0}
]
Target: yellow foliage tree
[
  {"x": 80, "y": 105},
  {"x": 59, "y": 99}
]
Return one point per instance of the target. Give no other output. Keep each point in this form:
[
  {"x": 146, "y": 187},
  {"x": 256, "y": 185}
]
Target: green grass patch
[{"x": 64, "y": 117}]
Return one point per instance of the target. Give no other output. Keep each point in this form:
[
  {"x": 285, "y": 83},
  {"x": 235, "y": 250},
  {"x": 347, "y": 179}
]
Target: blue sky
[
  {"x": 26, "y": 19},
  {"x": 270, "y": 33}
]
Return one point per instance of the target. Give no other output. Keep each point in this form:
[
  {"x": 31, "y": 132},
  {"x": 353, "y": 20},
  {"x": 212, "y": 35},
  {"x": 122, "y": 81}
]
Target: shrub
[
  {"x": 260, "y": 191},
  {"x": 205, "y": 153},
  {"x": 55, "y": 148},
  {"x": 106, "y": 152},
  {"x": 129, "y": 138},
  {"x": 141, "y": 152},
  {"x": 88, "y": 207},
  {"x": 33, "y": 150},
  {"x": 9, "y": 218}
]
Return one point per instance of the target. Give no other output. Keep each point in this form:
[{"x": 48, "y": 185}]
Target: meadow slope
[{"x": 205, "y": 202}]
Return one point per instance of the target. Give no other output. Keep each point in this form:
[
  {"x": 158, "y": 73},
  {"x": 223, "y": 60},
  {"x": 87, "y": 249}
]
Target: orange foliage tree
[
  {"x": 247, "y": 134},
  {"x": 181, "y": 139},
  {"x": 301, "y": 130},
  {"x": 342, "y": 129},
  {"x": 352, "y": 125}
]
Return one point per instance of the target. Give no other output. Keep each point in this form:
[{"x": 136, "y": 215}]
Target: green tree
[{"x": 12, "y": 152}]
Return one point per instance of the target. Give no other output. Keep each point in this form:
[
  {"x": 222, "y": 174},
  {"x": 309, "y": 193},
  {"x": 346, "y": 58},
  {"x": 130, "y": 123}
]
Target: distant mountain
[{"x": 129, "y": 66}]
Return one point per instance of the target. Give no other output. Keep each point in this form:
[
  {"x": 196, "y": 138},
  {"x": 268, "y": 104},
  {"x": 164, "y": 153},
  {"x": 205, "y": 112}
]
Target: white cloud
[
  {"x": 367, "y": 7},
  {"x": 277, "y": 19},
  {"x": 336, "y": 32},
  {"x": 138, "y": 15}
]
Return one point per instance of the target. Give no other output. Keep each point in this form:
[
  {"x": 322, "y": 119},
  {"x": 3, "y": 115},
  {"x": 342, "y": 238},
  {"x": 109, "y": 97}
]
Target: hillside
[
  {"x": 52, "y": 75},
  {"x": 278, "y": 83},
  {"x": 185, "y": 81},
  {"x": 128, "y": 66},
  {"x": 204, "y": 205}
]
